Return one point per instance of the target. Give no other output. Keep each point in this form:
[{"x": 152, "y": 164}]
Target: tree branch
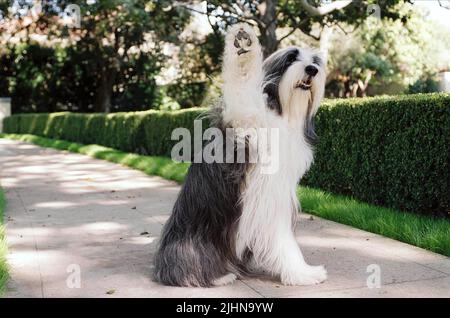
[
  {"x": 244, "y": 14},
  {"x": 189, "y": 8},
  {"x": 213, "y": 27},
  {"x": 287, "y": 35},
  {"x": 295, "y": 27},
  {"x": 443, "y": 6},
  {"x": 326, "y": 8},
  {"x": 211, "y": 14}
]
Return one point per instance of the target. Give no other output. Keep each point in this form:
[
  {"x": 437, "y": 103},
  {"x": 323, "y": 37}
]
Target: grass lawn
[
  {"x": 3, "y": 265},
  {"x": 426, "y": 232}
]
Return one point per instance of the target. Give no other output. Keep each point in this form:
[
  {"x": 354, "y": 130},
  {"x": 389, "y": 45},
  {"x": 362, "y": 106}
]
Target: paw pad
[{"x": 242, "y": 41}]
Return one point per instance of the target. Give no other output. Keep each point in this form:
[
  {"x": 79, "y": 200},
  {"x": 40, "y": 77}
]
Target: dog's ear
[
  {"x": 272, "y": 96},
  {"x": 274, "y": 68}
]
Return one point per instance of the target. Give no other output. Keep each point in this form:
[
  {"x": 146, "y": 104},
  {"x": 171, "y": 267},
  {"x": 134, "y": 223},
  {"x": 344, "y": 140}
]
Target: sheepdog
[{"x": 233, "y": 219}]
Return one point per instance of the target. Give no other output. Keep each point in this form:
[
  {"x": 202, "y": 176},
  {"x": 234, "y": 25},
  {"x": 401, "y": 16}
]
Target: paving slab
[{"x": 82, "y": 227}]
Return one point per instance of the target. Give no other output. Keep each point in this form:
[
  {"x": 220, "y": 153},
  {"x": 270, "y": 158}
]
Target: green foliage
[
  {"x": 426, "y": 232},
  {"x": 147, "y": 132},
  {"x": 198, "y": 60},
  {"x": 427, "y": 85},
  {"x": 387, "y": 56},
  {"x": 268, "y": 15},
  {"x": 45, "y": 79},
  {"x": 168, "y": 103},
  {"x": 189, "y": 94},
  {"x": 108, "y": 64},
  {"x": 423, "y": 231},
  {"x": 387, "y": 151}
]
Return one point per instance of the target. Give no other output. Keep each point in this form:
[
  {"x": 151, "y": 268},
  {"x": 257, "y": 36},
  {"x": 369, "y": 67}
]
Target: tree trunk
[
  {"x": 325, "y": 41},
  {"x": 364, "y": 85},
  {"x": 354, "y": 90},
  {"x": 268, "y": 13},
  {"x": 104, "y": 91}
]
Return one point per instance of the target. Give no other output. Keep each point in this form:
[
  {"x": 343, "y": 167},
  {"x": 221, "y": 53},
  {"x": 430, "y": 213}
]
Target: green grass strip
[
  {"x": 423, "y": 231},
  {"x": 426, "y": 232},
  {"x": 3, "y": 247}
]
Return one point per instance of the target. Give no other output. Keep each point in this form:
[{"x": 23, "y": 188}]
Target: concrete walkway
[{"x": 70, "y": 214}]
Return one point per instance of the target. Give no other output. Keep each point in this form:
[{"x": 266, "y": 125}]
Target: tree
[
  {"x": 388, "y": 56},
  {"x": 197, "y": 60},
  {"x": 119, "y": 40},
  {"x": 290, "y": 15}
]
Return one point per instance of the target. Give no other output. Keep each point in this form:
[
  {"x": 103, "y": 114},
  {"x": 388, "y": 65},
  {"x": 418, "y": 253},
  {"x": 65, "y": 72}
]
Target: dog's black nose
[{"x": 311, "y": 70}]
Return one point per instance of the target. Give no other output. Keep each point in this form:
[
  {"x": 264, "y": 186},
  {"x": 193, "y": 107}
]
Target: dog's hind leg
[{"x": 243, "y": 76}]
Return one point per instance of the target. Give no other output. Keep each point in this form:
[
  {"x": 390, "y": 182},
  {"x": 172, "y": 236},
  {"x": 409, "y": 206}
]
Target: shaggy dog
[{"x": 233, "y": 218}]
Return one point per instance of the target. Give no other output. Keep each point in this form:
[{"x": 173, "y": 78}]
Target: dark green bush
[
  {"x": 43, "y": 79},
  {"x": 187, "y": 94},
  {"x": 427, "y": 85},
  {"x": 392, "y": 151},
  {"x": 148, "y": 132}
]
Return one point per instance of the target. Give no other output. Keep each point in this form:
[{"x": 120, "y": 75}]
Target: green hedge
[
  {"x": 391, "y": 151},
  {"x": 147, "y": 132},
  {"x": 387, "y": 151}
]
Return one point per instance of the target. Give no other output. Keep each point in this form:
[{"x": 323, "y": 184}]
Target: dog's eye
[
  {"x": 317, "y": 60},
  {"x": 292, "y": 58}
]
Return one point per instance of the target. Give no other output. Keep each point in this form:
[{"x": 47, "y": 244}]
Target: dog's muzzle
[{"x": 305, "y": 84}]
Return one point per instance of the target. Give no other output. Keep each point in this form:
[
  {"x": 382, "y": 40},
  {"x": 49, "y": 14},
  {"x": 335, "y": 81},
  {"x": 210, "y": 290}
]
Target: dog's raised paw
[
  {"x": 241, "y": 39},
  {"x": 243, "y": 56},
  {"x": 242, "y": 42}
]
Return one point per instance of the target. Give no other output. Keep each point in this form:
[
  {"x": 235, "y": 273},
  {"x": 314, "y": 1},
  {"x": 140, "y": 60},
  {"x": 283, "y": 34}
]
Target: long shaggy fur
[
  {"x": 234, "y": 218},
  {"x": 197, "y": 243}
]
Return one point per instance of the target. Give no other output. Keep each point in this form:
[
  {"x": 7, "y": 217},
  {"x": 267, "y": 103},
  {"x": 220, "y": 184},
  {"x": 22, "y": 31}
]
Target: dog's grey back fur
[{"x": 197, "y": 242}]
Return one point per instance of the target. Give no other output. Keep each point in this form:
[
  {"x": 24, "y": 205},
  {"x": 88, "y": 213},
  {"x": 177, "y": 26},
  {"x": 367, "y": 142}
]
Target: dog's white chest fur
[{"x": 270, "y": 203}]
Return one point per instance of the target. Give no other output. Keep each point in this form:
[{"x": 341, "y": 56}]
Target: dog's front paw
[
  {"x": 241, "y": 38},
  {"x": 242, "y": 42},
  {"x": 306, "y": 275},
  {"x": 243, "y": 54}
]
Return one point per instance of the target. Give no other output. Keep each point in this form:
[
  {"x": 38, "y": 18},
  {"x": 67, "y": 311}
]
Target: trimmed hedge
[
  {"x": 387, "y": 151},
  {"x": 391, "y": 151},
  {"x": 146, "y": 132}
]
